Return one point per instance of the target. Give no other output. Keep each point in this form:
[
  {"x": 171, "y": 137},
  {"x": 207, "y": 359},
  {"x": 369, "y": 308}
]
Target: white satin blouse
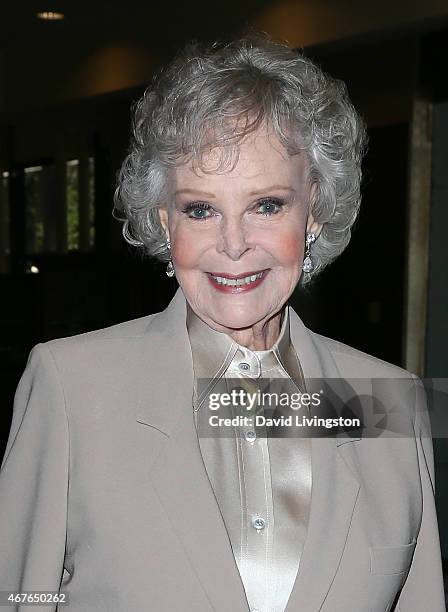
[{"x": 262, "y": 484}]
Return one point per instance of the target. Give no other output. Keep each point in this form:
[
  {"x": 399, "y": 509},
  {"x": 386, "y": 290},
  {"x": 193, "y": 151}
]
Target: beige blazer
[{"x": 103, "y": 492}]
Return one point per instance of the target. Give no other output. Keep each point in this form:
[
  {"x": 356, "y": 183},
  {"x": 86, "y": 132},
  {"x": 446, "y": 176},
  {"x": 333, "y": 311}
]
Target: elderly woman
[{"x": 244, "y": 177}]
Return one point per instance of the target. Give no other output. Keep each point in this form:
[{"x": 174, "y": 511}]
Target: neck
[{"x": 261, "y": 336}]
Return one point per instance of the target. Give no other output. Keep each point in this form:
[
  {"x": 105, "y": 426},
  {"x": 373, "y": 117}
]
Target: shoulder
[
  {"x": 125, "y": 329},
  {"x": 103, "y": 348},
  {"x": 86, "y": 368},
  {"x": 356, "y": 363},
  {"x": 393, "y": 388}
]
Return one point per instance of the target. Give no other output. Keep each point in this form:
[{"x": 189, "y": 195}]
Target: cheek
[
  {"x": 186, "y": 248},
  {"x": 288, "y": 248}
]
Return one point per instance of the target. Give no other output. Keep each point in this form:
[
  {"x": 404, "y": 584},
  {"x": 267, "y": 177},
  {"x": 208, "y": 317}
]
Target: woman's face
[{"x": 237, "y": 238}]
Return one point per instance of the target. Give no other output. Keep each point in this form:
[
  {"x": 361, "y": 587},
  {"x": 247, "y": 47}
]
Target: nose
[{"x": 233, "y": 241}]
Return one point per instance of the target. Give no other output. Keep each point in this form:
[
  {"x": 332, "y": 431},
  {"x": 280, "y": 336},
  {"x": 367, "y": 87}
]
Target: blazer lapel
[
  {"x": 180, "y": 479},
  {"x": 334, "y": 487},
  {"x": 178, "y": 474}
]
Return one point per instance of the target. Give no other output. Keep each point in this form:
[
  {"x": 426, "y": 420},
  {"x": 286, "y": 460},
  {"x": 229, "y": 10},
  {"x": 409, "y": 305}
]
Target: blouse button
[
  {"x": 258, "y": 523},
  {"x": 245, "y": 367},
  {"x": 250, "y": 435}
]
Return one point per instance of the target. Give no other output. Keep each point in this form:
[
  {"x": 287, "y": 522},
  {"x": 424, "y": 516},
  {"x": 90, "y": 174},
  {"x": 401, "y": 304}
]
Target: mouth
[{"x": 237, "y": 283}]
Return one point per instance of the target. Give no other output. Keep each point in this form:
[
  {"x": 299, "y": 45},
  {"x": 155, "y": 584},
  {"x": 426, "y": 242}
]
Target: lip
[
  {"x": 240, "y": 288},
  {"x": 236, "y": 276}
]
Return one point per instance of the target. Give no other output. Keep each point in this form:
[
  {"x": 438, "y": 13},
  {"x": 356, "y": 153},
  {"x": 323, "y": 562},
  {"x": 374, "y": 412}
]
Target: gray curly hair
[{"x": 217, "y": 95}]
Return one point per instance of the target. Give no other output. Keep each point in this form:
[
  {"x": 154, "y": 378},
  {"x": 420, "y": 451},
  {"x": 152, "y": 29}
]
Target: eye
[
  {"x": 269, "y": 206},
  {"x": 197, "y": 210}
]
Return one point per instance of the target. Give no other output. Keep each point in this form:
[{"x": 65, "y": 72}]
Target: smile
[{"x": 237, "y": 283}]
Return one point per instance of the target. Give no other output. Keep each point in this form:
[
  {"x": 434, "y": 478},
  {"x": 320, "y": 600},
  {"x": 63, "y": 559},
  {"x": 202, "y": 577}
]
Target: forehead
[{"x": 260, "y": 156}]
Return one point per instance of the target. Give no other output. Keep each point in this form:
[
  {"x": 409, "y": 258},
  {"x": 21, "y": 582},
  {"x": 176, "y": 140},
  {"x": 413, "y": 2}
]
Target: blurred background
[{"x": 69, "y": 74}]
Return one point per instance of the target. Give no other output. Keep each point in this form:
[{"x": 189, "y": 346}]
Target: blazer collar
[
  {"x": 167, "y": 335},
  {"x": 319, "y": 366}
]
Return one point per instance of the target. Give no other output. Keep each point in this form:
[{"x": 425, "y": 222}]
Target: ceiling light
[{"x": 50, "y": 16}]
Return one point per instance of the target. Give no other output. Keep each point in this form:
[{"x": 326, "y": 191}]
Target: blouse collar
[{"x": 213, "y": 351}]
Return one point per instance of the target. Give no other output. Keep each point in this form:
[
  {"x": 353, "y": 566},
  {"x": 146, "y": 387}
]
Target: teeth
[{"x": 237, "y": 282}]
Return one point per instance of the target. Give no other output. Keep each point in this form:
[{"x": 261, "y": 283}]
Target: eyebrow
[{"x": 252, "y": 193}]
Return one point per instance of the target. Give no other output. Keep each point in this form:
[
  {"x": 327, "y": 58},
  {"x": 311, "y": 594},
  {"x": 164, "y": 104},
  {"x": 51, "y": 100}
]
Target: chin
[{"x": 238, "y": 321}]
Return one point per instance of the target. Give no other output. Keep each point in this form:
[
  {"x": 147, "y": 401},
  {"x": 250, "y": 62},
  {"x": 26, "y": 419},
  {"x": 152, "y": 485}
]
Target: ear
[
  {"x": 163, "y": 216},
  {"x": 312, "y": 225}
]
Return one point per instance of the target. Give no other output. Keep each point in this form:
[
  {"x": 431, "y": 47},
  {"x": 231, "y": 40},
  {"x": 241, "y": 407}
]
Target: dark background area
[{"x": 66, "y": 94}]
